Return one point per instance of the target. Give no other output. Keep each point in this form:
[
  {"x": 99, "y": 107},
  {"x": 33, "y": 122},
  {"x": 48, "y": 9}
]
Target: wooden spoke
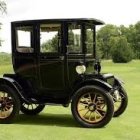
[{"x": 101, "y": 112}]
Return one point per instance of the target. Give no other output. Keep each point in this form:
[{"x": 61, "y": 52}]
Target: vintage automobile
[{"x": 55, "y": 62}]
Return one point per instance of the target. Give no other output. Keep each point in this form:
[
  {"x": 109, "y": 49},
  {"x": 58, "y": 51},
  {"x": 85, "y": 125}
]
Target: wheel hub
[{"x": 92, "y": 107}]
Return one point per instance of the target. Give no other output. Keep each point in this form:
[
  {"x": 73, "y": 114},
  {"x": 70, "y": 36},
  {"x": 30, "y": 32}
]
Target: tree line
[{"x": 119, "y": 43}]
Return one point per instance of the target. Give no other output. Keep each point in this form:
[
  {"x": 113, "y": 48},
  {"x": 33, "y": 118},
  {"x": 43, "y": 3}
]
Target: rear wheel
[
  {"x": 31, "y": 109},
  {"x": 92, "y": 107},
  {"x": 9, "y": 104}
]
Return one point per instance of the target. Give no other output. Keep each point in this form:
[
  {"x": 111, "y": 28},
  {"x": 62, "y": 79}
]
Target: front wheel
[
  {"x": 120, "y": 102},
  {"x": 92, "y": 107},
  {"x": 31, "y": 109}
]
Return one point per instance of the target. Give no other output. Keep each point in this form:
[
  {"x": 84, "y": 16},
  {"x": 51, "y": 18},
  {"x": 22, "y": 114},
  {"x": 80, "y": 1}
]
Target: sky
[{"x": 116, "y": 12}]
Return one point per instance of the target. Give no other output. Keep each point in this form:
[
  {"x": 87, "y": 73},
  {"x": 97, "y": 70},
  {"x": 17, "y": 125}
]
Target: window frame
[
  {"x": 27, "y": 50},
  {"x": 59, "y": 47},
  {"x": 81, "y": 39}
]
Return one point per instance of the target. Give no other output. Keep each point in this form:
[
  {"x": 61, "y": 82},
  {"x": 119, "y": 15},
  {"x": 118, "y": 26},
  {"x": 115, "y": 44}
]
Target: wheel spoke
[
  {"x": 90, "y": 97},
  {"x": 121, "y": 95},
  {"x": 83, "y": 103},
  {"x": 0, "y": 95},
  {"x": 86, "y": 113},
  {"x": 82, "y": 109},
  {"x": 1, "y": 113},
  {"x": 28, "y": 106},
  {"x": 94, "y": 100},
  {"x": 101, "y": 112},
  {"x": 90, "y": 115},
  {"x": 32, "y": 106}
]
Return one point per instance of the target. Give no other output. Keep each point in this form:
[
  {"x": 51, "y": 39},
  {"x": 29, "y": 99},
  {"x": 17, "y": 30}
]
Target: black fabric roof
[{"x": 88, "y": 20}]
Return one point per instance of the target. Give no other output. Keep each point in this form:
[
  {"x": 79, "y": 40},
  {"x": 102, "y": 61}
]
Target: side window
[
  {"x": 89, "y": 40},
  {"x": 24, "y": 37},
  {"x": 50, "y": 39},
  {"x": 74, "y": 38}
]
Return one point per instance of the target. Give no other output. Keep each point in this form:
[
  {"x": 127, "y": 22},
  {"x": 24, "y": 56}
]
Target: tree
[
  {"x": 3, "y": 7},
  {"x": 2, "y": 10},
  {"x": 50, "y": 45},
  {"x": 137, "y": 40},
  {"x": 121, "y": 51},
  {"x": 103, "y": 39},
  {"x": 132, "y": 33}
]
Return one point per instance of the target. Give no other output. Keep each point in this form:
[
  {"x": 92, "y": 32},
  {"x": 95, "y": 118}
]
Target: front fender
[
  {"x": 118, "y": 81},
  {"x": 96, "y": 82}
]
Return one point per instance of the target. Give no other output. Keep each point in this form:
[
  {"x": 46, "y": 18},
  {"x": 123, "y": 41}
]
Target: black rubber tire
[
  {"x": 107, "y": 98},
  {"x": 15, "y": 102},
  {"x": 124, "y": 103},
  {"x": 34, "y": 111}
]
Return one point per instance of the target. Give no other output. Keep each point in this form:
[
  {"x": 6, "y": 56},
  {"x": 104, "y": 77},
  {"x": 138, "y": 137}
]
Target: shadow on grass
[{"x": 62, "y": 120}]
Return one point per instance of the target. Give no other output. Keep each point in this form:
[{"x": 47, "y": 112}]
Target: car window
[
  {"x": 50, "y": 40},
  {"x": 74, "y": 38},
  {"x": 24, "y": 39},
  {"x": 89, "y": 40}
]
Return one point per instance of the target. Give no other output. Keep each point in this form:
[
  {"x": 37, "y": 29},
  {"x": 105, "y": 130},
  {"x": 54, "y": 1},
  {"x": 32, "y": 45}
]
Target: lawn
[{"x": 56, "y": 122}]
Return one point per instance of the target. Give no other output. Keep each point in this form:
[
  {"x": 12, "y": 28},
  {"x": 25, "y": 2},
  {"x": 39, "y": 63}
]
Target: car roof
[{"x": 87, "y": 20}]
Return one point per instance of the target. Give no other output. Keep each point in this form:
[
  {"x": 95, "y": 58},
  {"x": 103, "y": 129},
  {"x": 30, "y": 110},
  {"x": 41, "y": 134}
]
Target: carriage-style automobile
[{"x": 54, "y": 62}]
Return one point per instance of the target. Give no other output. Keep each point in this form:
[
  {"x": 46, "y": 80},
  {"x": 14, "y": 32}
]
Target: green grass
[
  {"x": 5, "y": 63},
  {"x": 5, "y": 58},
  {"x": 56, "y": 123}
]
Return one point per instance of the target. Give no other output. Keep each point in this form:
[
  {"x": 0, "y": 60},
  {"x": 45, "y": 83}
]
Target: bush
[{"x": 121, "y": 51}]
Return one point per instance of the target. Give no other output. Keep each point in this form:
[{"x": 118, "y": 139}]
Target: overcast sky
[{"x": 116, "y": 12}]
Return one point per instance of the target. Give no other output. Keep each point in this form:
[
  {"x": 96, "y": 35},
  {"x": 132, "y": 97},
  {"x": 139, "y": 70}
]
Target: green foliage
[
  {"x": 5, "y": 59},
  {"x": 108, "y": 32},
  {"x": 104, "y": 36},
  {"x": 5, "y": 63},
  {"x": 137, "y": 40},
  {"x": 50, "y": 45},
  {"x": 121, "y": 51}
]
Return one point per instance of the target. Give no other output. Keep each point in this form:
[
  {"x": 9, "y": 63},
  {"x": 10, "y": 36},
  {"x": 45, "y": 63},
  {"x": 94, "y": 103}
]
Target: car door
[
  {"x": 51, "y": 59},
  {"x": 24, "y": 52}
]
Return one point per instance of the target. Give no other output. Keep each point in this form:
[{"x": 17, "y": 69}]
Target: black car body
[{"x": 53, "y": 59}]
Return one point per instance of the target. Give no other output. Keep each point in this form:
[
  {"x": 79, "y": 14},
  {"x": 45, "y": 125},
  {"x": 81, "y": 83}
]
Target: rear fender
[{"x": 13, "y": 84}]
